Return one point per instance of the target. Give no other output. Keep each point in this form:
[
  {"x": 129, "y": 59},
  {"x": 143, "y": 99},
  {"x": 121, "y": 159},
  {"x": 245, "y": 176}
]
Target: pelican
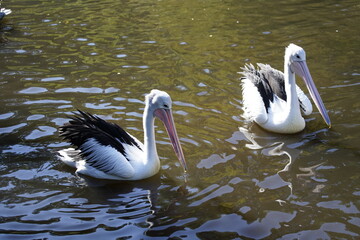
[
  {"x": 273, "y": 100},
  {"x": 4, "y": 12},
  {"x": 106, "y": 151}
]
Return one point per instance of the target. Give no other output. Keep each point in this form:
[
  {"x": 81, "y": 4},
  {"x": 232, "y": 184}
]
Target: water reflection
[
  {"x": 268, "y": 146},
  {"x": 62, "y": 56},
  {"x": 291, "y": 174},
  {"x": 106, "y": 205}
]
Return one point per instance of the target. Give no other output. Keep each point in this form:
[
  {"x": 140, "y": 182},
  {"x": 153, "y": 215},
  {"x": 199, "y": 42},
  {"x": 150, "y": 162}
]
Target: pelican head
[
  {"x": 159, "y": 103},
  {"x": 295, "y": 57}
]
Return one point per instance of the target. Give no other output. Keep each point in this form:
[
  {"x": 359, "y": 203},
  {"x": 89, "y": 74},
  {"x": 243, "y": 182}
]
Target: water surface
[{"x": 242, "y": 183}]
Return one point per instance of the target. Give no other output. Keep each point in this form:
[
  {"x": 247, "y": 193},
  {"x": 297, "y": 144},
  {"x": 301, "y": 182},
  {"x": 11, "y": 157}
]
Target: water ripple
[
  {"x": 47, "y": 101},
  {"x": 51, "y": 79},
  {"x": 240, "y": 183},
  {"x": 56, "y": 211},
  {"x": 42, "y": 131},
  {"x": 33, "y": 90},
  {"x": 12, "y": 129},
  {"x": 254, "y": 229},
  {"x": 6, "y": 115},
  {"x": 21, "y": 149},
  {"x": 80, "y": 90}
]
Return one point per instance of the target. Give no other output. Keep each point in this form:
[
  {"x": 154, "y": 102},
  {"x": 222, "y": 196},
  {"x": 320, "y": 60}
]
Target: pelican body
[
  {"x": 4, "y": 12},
  {"x": 273, "y": 100},
  {"x": 104, "y": 150}
]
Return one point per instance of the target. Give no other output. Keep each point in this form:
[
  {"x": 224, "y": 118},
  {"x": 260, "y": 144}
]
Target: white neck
[
  {"x": 149, "y": 138},
  {"x": 292, "y": 101}
]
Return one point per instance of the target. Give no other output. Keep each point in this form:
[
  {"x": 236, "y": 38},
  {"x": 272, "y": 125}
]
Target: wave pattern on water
[{"x": 242, "y": 182}]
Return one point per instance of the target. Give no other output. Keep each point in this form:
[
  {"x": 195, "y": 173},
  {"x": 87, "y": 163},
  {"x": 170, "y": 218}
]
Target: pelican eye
[
  {"x": 166, "y": 106},
  {"x": 297, "y": 55}
]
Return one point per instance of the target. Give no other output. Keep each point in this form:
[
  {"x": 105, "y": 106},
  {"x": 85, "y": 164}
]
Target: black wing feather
[
  {"x": 275, "y": 79},
  {"x": 84, "y": 126},
  {"x": 268, "y": 81}
]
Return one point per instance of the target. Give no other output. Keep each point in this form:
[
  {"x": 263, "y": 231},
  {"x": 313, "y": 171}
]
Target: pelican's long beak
[
  {"x": 166, "y": 117},
  {"x": 302, "y": 70}
]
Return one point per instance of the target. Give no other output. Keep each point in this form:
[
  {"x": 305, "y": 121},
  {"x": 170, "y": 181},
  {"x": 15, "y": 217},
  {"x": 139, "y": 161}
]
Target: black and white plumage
[
  {"x": 4, "y": 12},
  {"x": 104, "y": 150},
  {"x": 273, "y": 100}
]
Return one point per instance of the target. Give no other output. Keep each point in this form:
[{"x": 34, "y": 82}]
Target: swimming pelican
[
  {"x": 4, "y": 12},
  {"x": 273, "y": 100},
  {"x": 106, "y": 151}
]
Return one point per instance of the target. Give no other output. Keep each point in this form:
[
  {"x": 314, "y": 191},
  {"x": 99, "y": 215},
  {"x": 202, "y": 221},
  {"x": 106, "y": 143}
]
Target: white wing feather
[
  {"x": 254, "y": 108},
  {"x": 114, "y": 162}
]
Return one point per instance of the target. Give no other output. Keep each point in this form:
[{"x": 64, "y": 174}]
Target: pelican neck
[
  {"x": 149, "y": 134},
  {"x": 292, "y": 101}
]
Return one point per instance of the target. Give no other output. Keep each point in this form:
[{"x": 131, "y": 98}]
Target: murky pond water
[{"x": 242, "y": 183}]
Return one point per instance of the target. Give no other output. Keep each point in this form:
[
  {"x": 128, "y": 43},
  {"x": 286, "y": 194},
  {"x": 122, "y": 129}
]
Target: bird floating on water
[
  {"x": 104, "y": 150},
  {"x": 4, "y": 12},
  {"x": 273, "y": 100}
]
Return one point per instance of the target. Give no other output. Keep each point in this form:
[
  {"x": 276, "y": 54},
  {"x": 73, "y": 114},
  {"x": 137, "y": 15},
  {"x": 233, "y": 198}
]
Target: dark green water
[{"x": 242, "y": 183}]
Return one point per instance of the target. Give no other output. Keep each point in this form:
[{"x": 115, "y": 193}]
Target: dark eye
[
  {"x": 166, "y": 106},
  {"x": 297, "y": 55}
]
